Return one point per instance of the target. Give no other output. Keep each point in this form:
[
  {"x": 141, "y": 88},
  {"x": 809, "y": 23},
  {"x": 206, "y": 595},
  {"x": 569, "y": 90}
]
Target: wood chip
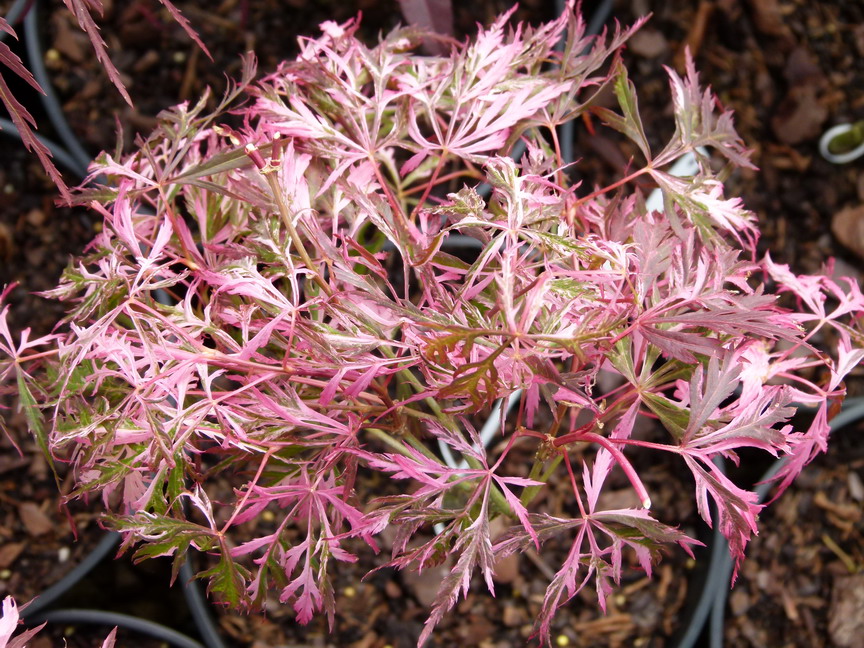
[
  {"x": 650, "y": 43},
  {"x": 858, "y": 35},
  {"x": 34, "y": 520},
  {"x": 800, "y": 116},
  {"x": 9, "y": 552},
  {"x": 739, "y": 601},
  {"x": 7, "y": 242},
  {"x": 846, "y": 615},
  {"x": 425, "y": 585},
  {"x": 71, "y": 42},
  {"x": 847, "y": 511},
  {"x": 856, "y": 488},
  {"x": 35, "y": 217},
  {"x": 392, "y": 589},
  {"x": 789, "y": 606},
  {"x": 801, "y": 67},
  {"x": 848, "y": 227},
  {"x": 506, "y": 569},
  {"x": 696, "y": 34},
  {"x": 768, "y": 18},
  {"x": 514, "y": 615}
]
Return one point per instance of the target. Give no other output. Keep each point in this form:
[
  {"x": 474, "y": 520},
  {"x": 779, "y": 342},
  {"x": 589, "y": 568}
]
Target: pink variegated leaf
[
  {"x": 82, "y": 9},
  {"x": 9, "y": 620},
  {"x": 737, "y": 508},
  {"x": 680, "y": 345},
  {"x": 253, "y": 545},
  {"x": 515, "y": 503},
  {"x": 309, "y": 598},
  {"x": 807, "y": 288},
  {"x": 199, "y": 499},
  {"x": 709, "y": 387},
  {"x": 704, "y": 205},
  {"x": 23, "y": 640},
  {"x": 847, "y": 360},
  {"x": 325, "y": 326},
  {"x": 754, "y": 425},
  {"x": 414, "y": 161},
  {"x": 475, "y": 551},
  {"x": 851, "y": 298},
  {"x": 636, "y": 529},
  {"x": 805, "y": 447},
  {"x": 594, "y": 477},
  {"x": 566, "y": 584},
  {"x": 332, "y": 386},
  {"x": 629, "y": 123},
  {"x": 696, "y": 123},
  {"x": 110, "y": 639}
]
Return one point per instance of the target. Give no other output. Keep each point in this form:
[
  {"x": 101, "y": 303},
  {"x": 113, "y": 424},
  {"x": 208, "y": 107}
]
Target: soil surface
[{"x": 788, "y": 68}]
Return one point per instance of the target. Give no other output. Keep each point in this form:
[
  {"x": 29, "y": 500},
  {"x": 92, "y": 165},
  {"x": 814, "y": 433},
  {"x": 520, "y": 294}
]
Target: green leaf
[
  {"x": 166, "y": 536},
  {"x": 560, "y": 244},
  {"x": 569, "y": 288},
  {"x": 629, "y": 123},
  {"x": 621, "y": 357},
  {"x": 109, "y": 473},
  {"x": 465, "y": 202},
  {"x": 177, "y": 482},
  {"x": 438, "y": 349},
  {"x": 640, "y": 527},
  {"x": 227, "y": 580},
  {"x": 34, "y": 419},
  {"x": 477, "y": 380},
  {"x": 674, "y": 419},
  {"x": 219, "y": 163},
  {"x": 156, "y": 503}
]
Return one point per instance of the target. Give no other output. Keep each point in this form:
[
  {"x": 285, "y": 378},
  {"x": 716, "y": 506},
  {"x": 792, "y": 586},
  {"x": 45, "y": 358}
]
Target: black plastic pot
[{"x": 710, "y": 596}]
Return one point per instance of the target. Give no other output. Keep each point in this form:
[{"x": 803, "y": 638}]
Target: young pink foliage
[
  {"x": 284, "y": 306},
  {"x": 9, "y": 623}
]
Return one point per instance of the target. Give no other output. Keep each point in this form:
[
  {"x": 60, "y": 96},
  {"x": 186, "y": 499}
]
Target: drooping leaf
[{"x": 629, "y": 122}]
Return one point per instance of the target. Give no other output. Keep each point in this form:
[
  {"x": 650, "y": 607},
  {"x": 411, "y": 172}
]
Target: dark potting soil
[{"x": 789, "y": 70}]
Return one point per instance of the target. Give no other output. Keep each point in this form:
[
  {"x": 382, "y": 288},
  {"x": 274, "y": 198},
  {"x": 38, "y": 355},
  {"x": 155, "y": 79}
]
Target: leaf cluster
[{"x": 284, "y": 306}]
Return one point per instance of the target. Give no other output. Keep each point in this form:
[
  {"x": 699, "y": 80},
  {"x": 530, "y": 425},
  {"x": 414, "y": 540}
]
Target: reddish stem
[
  {"x": 612, "y": 186},
  {"x": 616, "y": 454}
]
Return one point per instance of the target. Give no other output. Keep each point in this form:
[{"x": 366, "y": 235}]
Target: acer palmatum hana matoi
[{"x": 278, "y": 299}]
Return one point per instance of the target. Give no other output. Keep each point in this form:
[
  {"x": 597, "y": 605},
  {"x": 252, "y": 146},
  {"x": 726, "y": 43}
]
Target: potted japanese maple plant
[{"x": 271, "y": 298}]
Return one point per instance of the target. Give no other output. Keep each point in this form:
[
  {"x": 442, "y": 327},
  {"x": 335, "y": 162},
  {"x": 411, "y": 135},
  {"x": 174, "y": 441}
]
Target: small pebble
[
  {"x": 35, "y": 217},
  {"x": 856, "y": 487}
]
